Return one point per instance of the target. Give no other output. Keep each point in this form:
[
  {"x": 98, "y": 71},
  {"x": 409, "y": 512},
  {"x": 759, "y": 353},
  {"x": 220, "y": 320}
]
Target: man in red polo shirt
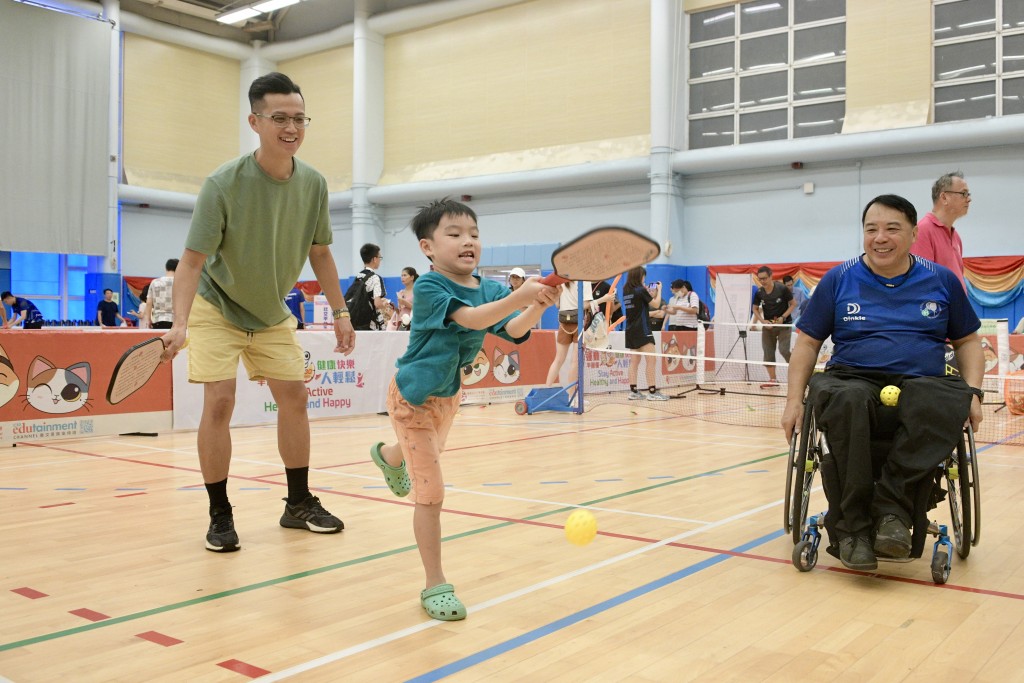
[{"x": 937, "y": 239}]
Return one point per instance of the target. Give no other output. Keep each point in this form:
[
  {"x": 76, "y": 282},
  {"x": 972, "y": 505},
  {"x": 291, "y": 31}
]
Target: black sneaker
[
  {"x": 311, "y": 515},
  {"x": 221, "y": 538},
  {"x": 893, "y": 538},
  {"x": 855, "y": 553}
]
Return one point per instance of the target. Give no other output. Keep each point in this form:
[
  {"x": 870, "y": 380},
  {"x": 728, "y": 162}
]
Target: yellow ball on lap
[{"x": 890, "y": 395}]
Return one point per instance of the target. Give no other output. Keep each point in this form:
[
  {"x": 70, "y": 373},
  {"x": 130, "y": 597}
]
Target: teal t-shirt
[
  {"x": 438, "y": 347},
  {"x": 256, "y": 232}
]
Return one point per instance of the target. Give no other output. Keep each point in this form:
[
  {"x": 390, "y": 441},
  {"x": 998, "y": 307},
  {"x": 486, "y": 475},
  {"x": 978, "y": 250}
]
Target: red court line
[
  {"x": 242, "y": 668},
  {"x": 158, "y": 638},
  {"x": 56, "y": 505},
  {"x": 129, "y": 495},
  {"x": 30, "y": 593},
  {"x": 91, "y": 615}
]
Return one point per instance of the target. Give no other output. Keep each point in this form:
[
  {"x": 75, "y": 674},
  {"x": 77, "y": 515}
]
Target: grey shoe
[
  {"x": 893, "y": 538},
  {"x": 656, "y": 396},
  {"x": 636, "y": 396},
  {"x": 855, "y": 553}
]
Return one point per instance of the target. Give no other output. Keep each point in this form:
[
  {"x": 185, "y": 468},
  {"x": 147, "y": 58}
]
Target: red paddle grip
[{"x": 553, "y": 280}]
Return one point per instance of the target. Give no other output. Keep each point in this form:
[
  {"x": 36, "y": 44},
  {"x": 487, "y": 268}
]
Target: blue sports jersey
[{"x": 897, "y": 325}]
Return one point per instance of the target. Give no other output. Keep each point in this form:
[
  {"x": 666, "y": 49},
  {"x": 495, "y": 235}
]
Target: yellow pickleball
[
  {"x": 890, "y": 395},
  {"x": 581, "y": 527}
]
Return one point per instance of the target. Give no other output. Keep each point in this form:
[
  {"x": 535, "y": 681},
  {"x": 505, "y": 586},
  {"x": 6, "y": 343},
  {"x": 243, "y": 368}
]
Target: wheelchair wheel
[
  {"x": 803, "y": 469},
  {"x": 972, "y": 454},
  {"x": 958, "y": 483},
  {"x": 521, "y": 408},
  {"x": 940, "y": 566},
  {"x": 805, "y": 556}
]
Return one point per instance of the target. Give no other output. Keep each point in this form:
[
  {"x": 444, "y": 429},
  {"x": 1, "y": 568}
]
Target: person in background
[
  {"x": 294, "y": 302},
  {"x": 107, "y": 311},
  {"x": 141, "y": 313},
  {"x": 516, "y": 278},
  {"x": 374, "y": 283},
  {"x": 937, "y": 239},
  {"x": 403, "y": 314},
  {"x": 798, "y": 296},
  {"x": 773, "y": 306},
  {"x": 160, "y": 306},
  {"x": 638, "y": 301},
  {"x": 682, "y": 307},
  {"x": 23, "y": 312}
]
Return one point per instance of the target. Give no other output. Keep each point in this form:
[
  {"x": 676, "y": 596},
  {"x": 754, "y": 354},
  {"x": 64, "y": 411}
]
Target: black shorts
[{"x": 637, "y": 339}]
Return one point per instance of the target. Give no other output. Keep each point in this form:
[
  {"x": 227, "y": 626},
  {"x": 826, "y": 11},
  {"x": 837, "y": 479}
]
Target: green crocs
[
  {"x": 397, "y": 478},
  {"x": 440, "y": 603}
]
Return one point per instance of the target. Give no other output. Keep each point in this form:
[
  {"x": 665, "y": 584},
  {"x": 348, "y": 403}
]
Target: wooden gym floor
[{"x": 105, "y": 577}]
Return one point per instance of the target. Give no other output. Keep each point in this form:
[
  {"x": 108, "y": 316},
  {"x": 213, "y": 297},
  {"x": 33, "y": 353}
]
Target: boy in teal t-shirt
[{"x": 453, "y": 310}]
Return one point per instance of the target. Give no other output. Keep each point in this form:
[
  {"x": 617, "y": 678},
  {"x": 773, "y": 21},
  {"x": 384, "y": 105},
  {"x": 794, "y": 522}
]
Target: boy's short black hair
[
  {"x": 275, "y": 83},
  {"x": 786, "y": 279},
  {"x": 425, "y": 222},
  {"x": 171, "y": 265},
  {"x": 368, "y": 252},
  {"x": 4, "y": 295},
  {"x": 108, "y": 289}
]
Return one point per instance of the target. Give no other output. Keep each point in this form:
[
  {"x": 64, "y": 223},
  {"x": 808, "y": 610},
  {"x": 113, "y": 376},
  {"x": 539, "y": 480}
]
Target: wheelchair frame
[{"x": 959, "y": 470}]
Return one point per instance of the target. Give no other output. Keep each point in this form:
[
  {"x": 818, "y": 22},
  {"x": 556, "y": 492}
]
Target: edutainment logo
[
  {"x": 852, "y": 310},
  {"x": 931, "y": 309}
]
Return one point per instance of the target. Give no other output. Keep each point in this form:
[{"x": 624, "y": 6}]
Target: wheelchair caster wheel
[
  {"x": 521, "y": 408},
  {"x": 805, "y": 556},
  {"x": 940, "y": 566}
]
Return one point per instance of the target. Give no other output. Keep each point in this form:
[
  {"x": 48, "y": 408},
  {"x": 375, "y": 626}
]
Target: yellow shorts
[
  {"x": 422, "y": 432},
  {"x": 215, "y": 345}
]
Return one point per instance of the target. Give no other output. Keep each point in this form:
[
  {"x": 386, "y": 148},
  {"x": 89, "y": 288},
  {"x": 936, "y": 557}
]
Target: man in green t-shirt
[{"x": 257, "y": 219}]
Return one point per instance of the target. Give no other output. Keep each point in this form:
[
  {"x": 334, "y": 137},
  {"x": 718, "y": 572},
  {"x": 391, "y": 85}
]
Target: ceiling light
[
  {"x": 252, "y": 9},
  {"x": 271, "y": 5},
  {"x": 237, "y": 15}
]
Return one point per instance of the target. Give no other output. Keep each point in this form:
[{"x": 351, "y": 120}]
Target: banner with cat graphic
[{"x": 53, "y": 384}]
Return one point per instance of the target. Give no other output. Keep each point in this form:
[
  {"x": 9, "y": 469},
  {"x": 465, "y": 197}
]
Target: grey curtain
[{"x": 54, "y": 98}]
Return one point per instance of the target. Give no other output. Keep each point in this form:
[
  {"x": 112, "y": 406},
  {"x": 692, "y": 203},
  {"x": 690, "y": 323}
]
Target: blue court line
[
  {"x": 129, "y": 488},
  {"x": 554, "y": 482},
  {"x": 663, "y": 476},
  {"x": 564, "y": 622},
  {"x": 69, "y": 488},
  {"x": 601, "y": 481},
  {"x": 756, "y": 471},
  {"x": 498, "y": 483},
  {"x": 13, "y": 488}
]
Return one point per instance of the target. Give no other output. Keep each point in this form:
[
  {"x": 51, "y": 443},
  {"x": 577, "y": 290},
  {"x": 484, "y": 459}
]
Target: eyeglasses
[
  {"x": 281, "y": 121},
  {"x": 966, "y": 194}
]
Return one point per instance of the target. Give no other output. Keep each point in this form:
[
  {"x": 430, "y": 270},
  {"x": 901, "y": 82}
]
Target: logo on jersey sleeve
[{"x": 931, "y": 309}]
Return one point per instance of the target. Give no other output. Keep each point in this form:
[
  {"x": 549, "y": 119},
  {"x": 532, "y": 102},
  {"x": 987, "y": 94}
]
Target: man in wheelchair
[{"x": 889, "y": 314}]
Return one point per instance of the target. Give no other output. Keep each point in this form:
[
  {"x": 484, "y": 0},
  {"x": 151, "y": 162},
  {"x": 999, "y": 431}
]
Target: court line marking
[
  {"x": 530, "y": 520},
  {"x": 487, "y": 604}
]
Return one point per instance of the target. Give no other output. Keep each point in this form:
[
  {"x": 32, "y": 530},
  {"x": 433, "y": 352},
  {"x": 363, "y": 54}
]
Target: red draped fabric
[{"x": 309, "y": 287}]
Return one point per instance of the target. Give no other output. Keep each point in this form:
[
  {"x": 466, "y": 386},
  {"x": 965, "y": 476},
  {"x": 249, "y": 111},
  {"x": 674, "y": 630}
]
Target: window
[
  {"x": 766, "y": 70},
  {"x": 55, "y": 283},
  {"x": 979, "y": 59}
]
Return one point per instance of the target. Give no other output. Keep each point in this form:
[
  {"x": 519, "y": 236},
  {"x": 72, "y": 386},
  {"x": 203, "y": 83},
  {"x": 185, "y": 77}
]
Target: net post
[{"x": 580, "y": 331}]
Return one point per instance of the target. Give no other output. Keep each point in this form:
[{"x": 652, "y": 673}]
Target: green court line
[{"x": 349, "y": 563}]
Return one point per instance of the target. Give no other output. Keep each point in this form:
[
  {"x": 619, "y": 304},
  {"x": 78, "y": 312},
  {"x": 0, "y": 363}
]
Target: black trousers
[{"x": 883, "y": 460}]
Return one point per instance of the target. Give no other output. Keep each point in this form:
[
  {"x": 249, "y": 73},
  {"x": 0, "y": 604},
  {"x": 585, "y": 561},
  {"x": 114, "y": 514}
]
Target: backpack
[
  {"x": 703, "y": 314},
  {"x": 359, "y": 301}
]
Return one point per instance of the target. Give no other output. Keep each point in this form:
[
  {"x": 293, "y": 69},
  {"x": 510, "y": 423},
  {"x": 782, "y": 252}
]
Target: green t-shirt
[
  {"x": 438, "y": 347},
  {"x": 256, "y": 233}
]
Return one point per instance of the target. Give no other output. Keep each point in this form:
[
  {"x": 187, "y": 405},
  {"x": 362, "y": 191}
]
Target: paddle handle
[{"x": 553, "y": 280}]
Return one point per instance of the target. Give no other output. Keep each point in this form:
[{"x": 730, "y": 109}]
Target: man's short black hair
[
  {"x": 171, "y": 265},
  {"x": 893, "y": 201},
  {"x": 108, "y": 289},
  {"x": 429, "y": 217},
  {"x": 368, "y": 252},
  {"x": 4, "y": 295},
  {"x": 786, "y": 279},
  {"x": 764, "y": 269},
  {"x": 273, "y": 83}
]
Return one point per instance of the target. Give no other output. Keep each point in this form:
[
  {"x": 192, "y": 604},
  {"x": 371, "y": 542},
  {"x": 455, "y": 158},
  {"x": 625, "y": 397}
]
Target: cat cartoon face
[
  {"x": 9, "y": 382},
  {"x": 671, "y": 348},
  {"x": 57, "y": 390},
  {"x": 506, "y": 366},
  {"x": 477, "y": 370}
]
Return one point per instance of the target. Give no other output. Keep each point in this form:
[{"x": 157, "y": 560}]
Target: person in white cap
[{"x": 516, "y": 278}]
